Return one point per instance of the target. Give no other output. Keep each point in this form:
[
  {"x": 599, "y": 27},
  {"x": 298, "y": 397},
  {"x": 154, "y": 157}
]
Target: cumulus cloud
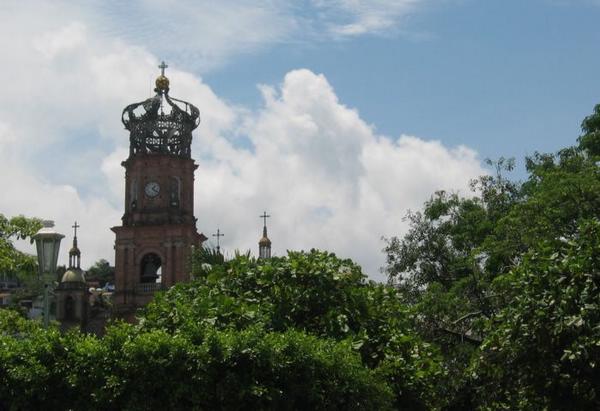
[
  {"x": 326, "y": 176},
  {"x": 61, "y": 139},
  {"x": 328, "y": 179}
]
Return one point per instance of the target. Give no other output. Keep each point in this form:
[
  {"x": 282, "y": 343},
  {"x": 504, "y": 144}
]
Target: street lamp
[{"x": 47, "y": 243}]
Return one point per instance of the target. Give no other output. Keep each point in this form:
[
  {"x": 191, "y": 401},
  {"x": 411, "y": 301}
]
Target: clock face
[{"x": 152, "y": 189}]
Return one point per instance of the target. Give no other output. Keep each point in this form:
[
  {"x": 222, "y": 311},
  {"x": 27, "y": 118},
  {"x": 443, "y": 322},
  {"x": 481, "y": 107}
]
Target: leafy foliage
[
  {"x": 444, "y": 265},
  {"x": 305, "y": 331},
  {"x": 590, "y": 140},
  {"x": 543, "y": 349},
  {"x": 134, "y": 370},
  {"x": 102, "y": 272},
  {"x": 315, "y": 293},
  {"x": 471, "y": 270},
  {"x": 13, "y": 261}
]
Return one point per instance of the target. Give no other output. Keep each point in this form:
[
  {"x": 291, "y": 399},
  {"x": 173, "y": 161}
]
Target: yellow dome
[
  {"x": 73, "y": 275},
  {"x": 264, "y": 241}
]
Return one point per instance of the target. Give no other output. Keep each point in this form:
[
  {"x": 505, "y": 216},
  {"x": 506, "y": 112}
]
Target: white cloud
[
  {"x": 358, "y": 17},
  {"x": 61, "y": 139},
  {"x": 32, "y": 195},
  {"x": 204, "y": 34},
  {"x": 68, "y": 38},
  {"x": 326, "y": 176},
  {"x": 199, "y": 34}
]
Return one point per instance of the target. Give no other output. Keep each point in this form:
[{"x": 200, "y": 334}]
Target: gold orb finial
[{"x": 162, "y": 82}]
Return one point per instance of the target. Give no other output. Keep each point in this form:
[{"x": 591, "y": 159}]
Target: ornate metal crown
[{"x": 161, "y": 124}]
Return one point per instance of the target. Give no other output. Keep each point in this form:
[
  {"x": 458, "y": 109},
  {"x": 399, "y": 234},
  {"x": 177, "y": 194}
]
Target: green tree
[
  {"x": 456, "y": 265},
  {"x": 589, "y": 141},
  {"x": 12, "y": 261},
  {"x": 546, "y": 334},
  {"x": 306, "y": 331},
  {"x": 136, "y": 369},
  {"x": 444, "y": 266},
  {"x": 15, "y": 264},
  {"x": 543, "y": 349},
  {"x": 102, "y": 272},
  {"x": 312, "y": 292}
]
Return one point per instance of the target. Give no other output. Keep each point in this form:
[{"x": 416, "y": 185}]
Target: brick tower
[{"x": 154, "y": 243}]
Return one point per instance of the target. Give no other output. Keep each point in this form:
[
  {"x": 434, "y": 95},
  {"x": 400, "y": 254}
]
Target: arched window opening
[
  {"x": 69, "y": 308},
  {"x": 175, "y": 189},
  {"x": 133, "y": 194},
  {"x": 150, "y": 268}
]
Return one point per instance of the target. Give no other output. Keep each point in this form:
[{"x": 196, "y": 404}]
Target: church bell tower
[{"x": 158, "y": 230}]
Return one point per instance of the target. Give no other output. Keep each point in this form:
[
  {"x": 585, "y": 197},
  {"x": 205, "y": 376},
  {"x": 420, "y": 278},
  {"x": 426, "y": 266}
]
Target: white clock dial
[{"x": 152, "y": 189}]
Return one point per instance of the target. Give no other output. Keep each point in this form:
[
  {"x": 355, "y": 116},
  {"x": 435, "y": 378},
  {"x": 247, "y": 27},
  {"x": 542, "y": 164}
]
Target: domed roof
[
  {"x": 264, "y": 241},
  {"x": 73, "y": 275}
]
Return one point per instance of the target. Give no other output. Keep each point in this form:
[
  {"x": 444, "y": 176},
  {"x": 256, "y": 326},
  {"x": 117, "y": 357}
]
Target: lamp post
[{"x": 47, "y": 244}]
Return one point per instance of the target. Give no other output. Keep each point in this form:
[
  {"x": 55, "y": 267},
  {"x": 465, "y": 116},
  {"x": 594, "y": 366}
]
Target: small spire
[
  {"x": 218, "y": 234},
  {"x": 162, "y": 68},
  {"x": 264, "y": 216},
  {"x": 74, "y": 253},
  {"x": 75, "y": 227},
  {"x": 162, "y": 82},
  {"x": 264, "y": 244}
]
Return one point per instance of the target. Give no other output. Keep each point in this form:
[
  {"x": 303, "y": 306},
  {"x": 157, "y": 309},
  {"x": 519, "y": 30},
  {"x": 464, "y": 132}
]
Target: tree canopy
[
  {"x": 542, "y": 349},
  {"x": 13, "y": 261},
  {"x": 305, "y": 331},
  {"x": 497, "y": 281},
  {"x": 102, "y": 272}
]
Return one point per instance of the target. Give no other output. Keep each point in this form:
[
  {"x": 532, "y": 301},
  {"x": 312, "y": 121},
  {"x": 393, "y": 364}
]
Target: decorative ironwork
[{"x": 161, "y": 124}]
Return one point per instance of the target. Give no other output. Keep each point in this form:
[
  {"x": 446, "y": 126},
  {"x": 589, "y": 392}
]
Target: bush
[
  {"x": 315, "y": 293},
  {"x": 132, "y": 369}
]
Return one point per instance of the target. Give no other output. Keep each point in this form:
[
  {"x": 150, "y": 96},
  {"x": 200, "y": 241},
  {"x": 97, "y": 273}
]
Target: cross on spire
[
  {"x": 162, "y": 66},
  {"x": 264, "y": 216},
  {"x": 74, "y": 253},
  {"x": 218, "y": 235},
  {"x": 264, "y": 244}
]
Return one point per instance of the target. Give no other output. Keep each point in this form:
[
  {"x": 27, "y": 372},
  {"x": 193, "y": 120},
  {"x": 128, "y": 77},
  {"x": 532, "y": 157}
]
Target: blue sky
[
  {"x": 337, "y": 117},
  {"x": 503, "y": 77}
]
